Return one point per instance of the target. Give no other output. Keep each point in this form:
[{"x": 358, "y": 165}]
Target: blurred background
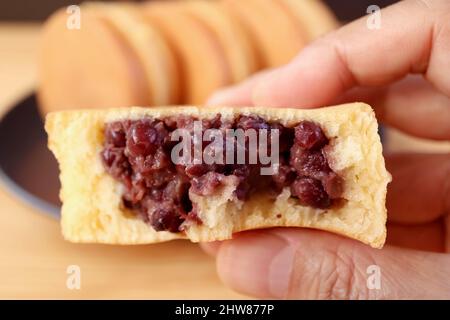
[{"x": 39, "y": 10}]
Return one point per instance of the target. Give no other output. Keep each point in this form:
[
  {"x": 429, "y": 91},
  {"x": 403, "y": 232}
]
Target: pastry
[
  {"x": 201, "y": 59},
  {"x": 123, "y": 184},
  {"x": 276, "y": 33},
  {"x": 154, "y": 55},
  {"x": 315, "y": 17},
  {"x": 238, "y": 50},
  {"x": 86, "y": 67}
]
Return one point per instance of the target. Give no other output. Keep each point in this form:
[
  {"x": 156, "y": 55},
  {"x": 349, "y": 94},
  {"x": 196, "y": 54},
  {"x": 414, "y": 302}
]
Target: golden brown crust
[
  {"x": 74, "y": 62},
  {"x": 91, "y": 209},
  {"x": 239, "y": 53},
  {"x": 315, "y": 17},
  {"x": 199, "y": 54},
  {"x": 154, "y": 56},
  {"x": 276, "y": 34}
]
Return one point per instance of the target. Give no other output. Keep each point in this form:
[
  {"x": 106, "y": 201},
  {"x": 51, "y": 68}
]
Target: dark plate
[{"x": 27, "y": 167}]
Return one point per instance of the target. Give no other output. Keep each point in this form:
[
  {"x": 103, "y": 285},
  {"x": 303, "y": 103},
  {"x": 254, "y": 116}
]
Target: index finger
[{"x": 414, "y": 38}]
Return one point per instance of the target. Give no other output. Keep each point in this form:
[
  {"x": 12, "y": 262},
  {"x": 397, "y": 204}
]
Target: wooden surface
[{"x": 34, "y": 257}]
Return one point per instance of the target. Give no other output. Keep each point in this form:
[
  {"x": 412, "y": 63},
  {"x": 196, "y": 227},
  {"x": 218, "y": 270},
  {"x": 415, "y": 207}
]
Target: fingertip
[
  {"x": 211, "y": 248},
  {"x": 310, "y": 80},
  {"x": 257, "y": 264},
  {"x": 220, "y": 97},
  {"x": 240, "y": 94},
  {"x": 270, "y": 92},
  {"x": 277, "y": 263},
  {"x": 236, "y": 95}
]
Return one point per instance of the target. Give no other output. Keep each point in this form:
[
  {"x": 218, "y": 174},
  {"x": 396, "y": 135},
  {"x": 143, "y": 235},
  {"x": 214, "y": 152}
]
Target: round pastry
[
  {"x": 277, "y": 34},
  {"x": 87, "y": 67},
  {"x": 155, "y": 56},
  {"x": 316, "y": 18},
  {"x": 226, "y": 27},
  {"x": 200, "y": 57}
]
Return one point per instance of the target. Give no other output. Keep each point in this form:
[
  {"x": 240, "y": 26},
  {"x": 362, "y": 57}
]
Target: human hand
[{"x": 403, "y": 71}]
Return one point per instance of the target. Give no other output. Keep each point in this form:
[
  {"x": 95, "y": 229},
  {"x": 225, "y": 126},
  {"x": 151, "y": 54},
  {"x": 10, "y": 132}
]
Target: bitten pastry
[{"x": 121, "y": 183}]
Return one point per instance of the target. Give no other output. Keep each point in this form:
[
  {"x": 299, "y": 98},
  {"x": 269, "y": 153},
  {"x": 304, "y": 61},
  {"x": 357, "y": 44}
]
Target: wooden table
[{"x": 34, "y": 257}]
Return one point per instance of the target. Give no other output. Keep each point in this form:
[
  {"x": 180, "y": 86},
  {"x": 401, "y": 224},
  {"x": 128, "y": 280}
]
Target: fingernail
[
  {"x": 265, "y": 92},
  {"x": 259, "y": 94},
  {"x": 211, "y": 248},
  {"x": 257, "y": 264},
  {"x": 221, "y": 97}
]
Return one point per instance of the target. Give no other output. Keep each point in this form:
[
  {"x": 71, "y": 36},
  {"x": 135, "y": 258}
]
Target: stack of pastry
[{"x": 168, "y": 52}]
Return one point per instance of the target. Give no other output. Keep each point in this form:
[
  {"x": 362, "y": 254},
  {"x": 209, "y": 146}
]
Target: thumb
[{"x": 310, "y": 264}]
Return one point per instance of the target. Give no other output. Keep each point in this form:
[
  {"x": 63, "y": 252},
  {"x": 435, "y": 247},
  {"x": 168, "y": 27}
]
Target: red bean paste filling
[{"x": 137, "y": 154}]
